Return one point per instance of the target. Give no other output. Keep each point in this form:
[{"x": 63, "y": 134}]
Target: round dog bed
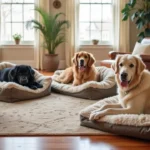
[
  {"x": 13, "y": 92},
  {"x": 105, "y": 87},
  {"x": 133, "y": 125}
]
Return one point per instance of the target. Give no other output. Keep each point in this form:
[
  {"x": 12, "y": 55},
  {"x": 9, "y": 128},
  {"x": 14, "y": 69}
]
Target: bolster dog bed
[
  {"x": 12, "y": 92},
  {"x": 105, "y": 87},
  {"x": 137, "y": 126}
]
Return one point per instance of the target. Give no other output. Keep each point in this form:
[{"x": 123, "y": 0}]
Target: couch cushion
[{"x": 141, "y": 49}]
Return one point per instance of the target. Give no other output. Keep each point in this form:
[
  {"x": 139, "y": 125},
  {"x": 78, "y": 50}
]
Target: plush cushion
[
  {"x": 141, "y": 49},
  {"x": 124, "y": 124},
  {"x": 105, "y": 87},
  {"x": 12, "y": 92}
]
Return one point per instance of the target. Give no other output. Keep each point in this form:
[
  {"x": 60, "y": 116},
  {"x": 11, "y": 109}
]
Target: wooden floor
[{"x": 72, "y": 142}]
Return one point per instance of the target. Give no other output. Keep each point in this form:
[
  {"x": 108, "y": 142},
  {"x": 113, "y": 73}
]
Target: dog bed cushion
[
  {"x": 105, "y": 87},
  {"x": 12, "y": 92},
  {"x": 137, "y": 126}
]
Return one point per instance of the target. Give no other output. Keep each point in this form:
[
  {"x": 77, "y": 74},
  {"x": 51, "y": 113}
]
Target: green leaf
[
  {"x": 141, "y": 35},
  {"x": 147, "y": 32},
  {"x": 134, "y": 16},
  {"x": 132, "y": 2},
  {"x": 125, "y": 17}
]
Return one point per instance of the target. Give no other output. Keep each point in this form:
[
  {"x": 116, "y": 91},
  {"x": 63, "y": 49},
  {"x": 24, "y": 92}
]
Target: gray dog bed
[
  {"x": 137, "y": 126},
  {"x": 105, "y": 87},
  {"x": 12, "y": 92}
]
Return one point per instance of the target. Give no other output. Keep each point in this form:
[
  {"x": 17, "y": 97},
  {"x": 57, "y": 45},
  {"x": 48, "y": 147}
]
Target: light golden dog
[
  {"x": 133, "y": 88},
  {"x": 83, "y": 70}
]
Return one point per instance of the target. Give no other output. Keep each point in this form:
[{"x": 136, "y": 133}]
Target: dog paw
[
  {"x": 95, "y": 115},
  {"x": 33, "y": 87}
]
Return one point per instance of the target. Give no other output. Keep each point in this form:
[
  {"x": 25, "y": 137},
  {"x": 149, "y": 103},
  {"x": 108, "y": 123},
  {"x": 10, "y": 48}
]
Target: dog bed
[
  {"x": 105, "y": 87},
  {"x": 137, "y": 126},
  {"x": 12, "y": 92}
]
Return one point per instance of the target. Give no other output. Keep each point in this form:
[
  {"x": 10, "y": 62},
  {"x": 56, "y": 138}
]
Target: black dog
[{"x": 21, "y": 74}]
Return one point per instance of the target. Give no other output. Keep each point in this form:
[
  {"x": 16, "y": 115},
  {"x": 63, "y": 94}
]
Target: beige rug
[{"x": 52, "y": 115}]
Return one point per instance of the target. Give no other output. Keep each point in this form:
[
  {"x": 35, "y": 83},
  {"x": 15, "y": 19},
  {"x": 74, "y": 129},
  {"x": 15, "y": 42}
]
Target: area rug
[{"x": 52, "y": 115}]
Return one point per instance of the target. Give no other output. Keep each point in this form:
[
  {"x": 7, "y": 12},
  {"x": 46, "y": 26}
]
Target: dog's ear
[
  {"x": 74, "y": 59},
  {"x": 91, "y": 60},
  {"x": 31, "y": 71},
  {"x": 140, "y": 65},
  {"x": 12, "y": 73},
  {"x": 115, "y": 65}
]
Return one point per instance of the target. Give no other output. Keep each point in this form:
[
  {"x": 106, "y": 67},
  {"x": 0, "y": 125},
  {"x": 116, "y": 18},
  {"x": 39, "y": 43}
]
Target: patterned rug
[{"x": 52, "y": 115}]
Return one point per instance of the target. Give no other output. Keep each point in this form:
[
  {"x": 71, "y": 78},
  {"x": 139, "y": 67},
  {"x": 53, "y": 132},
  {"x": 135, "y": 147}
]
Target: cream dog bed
[
  {"x": 105, "y": 87},
  {"x": 125, "y": 124},
  {"x": 12, "y": 92}
]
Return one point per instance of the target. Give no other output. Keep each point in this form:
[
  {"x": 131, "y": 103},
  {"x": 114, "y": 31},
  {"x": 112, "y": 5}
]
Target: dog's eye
[
  {"x": 85, "y": 57},
  {"x": 131, "y": 65},
  {"x": 121, "y": 65}
]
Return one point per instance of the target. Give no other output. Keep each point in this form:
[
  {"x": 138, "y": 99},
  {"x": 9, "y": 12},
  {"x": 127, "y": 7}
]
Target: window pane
[
  {"x": 28, "y": 1},
  {"x": 6, "y": 32},
  {"x": 84, "y": 1},
  {"x": 95, "y": 31},
  {"x": 95, "y": 1},
  {"x": 84, "y": 31},
  {"x": 17, "y": 1},
  {"x": 16, "y": 13},
  {"x": 106, "y": 1},
  {"x": 17, "y": 28},
  {"x": 106, "y": 13},
  {"x": 106, "y": 26},
  {"x": 28, "y": 34},
  {"x": 84, "y": 12},
  {"x": 28, "y": 12},
  {"x": 105, "y": 35},
  {"x": 6, "y": 13},
  {"x": 96, "y": 12}
]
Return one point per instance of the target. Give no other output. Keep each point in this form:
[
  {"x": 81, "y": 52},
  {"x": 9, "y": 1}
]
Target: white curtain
[
  {"x": 121, "y": 34},
  {"x": 39, "y": 50},
  {"x": 72, "y": 44}
]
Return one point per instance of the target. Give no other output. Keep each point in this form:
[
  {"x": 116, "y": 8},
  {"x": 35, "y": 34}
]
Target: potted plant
[
  {"x": 95, "y": 41},
  {"x": 139, "y": 11},
  {"x": 17, "y": 38},
  {"x": 53, "y": 31}
]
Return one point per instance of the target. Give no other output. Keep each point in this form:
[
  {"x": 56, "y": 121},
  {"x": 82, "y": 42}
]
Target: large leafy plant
[
  {"x": 52, "y": 29},
  {"x": 139, "y": 11}
]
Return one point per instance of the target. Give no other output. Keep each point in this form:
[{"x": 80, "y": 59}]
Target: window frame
[
  {"x": 12, "y": 43},
  {"x": 104, "y": 43}
]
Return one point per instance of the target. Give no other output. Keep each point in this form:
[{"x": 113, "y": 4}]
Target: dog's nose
[
  {"x": 124, "y": 76},
  {"x": 82, "y": 62}
]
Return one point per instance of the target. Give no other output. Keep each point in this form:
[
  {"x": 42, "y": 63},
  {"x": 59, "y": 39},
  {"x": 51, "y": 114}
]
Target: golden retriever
[
  {"x": 133, "y": 88},
  {"x": 83, "y": 70}
]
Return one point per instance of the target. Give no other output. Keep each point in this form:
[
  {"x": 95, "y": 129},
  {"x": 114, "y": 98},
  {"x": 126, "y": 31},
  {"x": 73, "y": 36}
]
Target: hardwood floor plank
[{"x": 73, "y": 143}]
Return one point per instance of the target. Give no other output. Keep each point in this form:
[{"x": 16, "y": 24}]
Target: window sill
[
  {"x": 22, "y": 46},
  {"x": 96, "y": 46}
]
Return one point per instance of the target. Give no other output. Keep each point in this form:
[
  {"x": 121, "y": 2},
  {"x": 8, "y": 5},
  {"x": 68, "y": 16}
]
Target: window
[
  {"x": 95, "y": 21},
  {"x": 14, "y": 14}
]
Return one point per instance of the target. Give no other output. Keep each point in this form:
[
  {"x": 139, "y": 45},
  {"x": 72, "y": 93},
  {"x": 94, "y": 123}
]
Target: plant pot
[
  {"x": 50, "y": 62},
  {"x": 95, "y": 42},
  {"x": 17, "y": 41}
]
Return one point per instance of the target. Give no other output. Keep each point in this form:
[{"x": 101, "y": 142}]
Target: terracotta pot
[
  {"x": 51, "y": 62},
  {"x": 17, "y": 41}
]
